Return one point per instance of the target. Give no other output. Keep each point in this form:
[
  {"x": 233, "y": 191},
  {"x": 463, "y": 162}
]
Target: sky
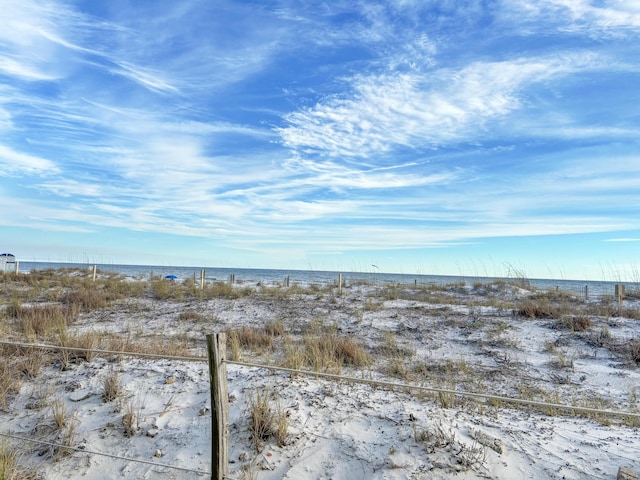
[{"x": 483, "y": 137}]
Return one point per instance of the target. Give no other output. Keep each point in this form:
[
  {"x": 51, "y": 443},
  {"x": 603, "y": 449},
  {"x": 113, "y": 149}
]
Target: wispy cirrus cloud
[
  {"x": 9, "y": 66},
  {"x": 14, "y": 162},
  {"x": 609, "y": 18},
  {"x": 421, "y": 111},
  {"x": 39, "y": 32}
]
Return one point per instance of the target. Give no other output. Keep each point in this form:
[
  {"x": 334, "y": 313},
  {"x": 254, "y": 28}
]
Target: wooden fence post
[
  {"x": 216, "y": 350},
  {"x": 619, "y": 291},
  {"x": 95, "y": 268},
  {"x": 202, "y": 279},
  {"x": 339, "y": 284}
]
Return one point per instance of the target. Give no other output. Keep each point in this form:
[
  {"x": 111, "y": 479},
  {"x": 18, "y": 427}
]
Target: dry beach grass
[{"x": 501, "y": 338}]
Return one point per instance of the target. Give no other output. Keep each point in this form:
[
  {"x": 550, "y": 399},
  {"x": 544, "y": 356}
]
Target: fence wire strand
[
  {"x": 103, "y": 454},
  {"x": 332, "y": 376},
  {"x": 370, "y": 381},
  {"x": 105, "y": 352},
  {"x": 472, "y": 395}
]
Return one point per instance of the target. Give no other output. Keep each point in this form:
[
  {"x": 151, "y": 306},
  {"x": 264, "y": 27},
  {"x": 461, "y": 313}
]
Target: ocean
[{"x": 305, "y": 277}]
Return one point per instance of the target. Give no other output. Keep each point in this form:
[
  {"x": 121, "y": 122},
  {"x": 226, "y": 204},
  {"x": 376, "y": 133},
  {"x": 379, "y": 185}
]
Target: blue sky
[{"x": 472, "y": 138}]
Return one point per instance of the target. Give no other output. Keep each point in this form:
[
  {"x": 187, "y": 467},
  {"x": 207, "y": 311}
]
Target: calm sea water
[{"x": 306, "y": 277}]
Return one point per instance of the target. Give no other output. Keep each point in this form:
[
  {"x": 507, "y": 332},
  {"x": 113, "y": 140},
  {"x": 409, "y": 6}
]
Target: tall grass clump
[
  {"x": 633, "y": 350},
  {"x": 10, "y": 468},
  {"x": 251, "y": 338},
  {"x": 165, "y": 289},
  {"x": 111, "y": 386},
  {"x": 225, "y": 290},
  {"x": 41, "y": 320},
  {"x": 192, "y": 316},
  {"x": 84, "y": 345},
  {"x": 542, "y": 307},
  {"x": 121, "y": 288},
  {"x": 256, "y": 339},
  {"x": 266, "y": 421},
  {"x": 86, "y": 298},
  {"x": 331, "y": 352},
  {"x": 9, "y": 382},
  {"x": 29, "y": 362},
  {"x": 579, "y": 323}
]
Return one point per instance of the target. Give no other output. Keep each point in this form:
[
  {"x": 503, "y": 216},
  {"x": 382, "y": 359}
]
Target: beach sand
[{"x": 459, "y": 338}]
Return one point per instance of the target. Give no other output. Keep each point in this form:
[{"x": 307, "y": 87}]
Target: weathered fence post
[
  {"x": 17, "y": 266},
  {"x": 339, "y": 284},
  {"x": 202, "y": 279},
  {"x": 94, "y": 272},
  {"x": 586, "y": 292},
  {"x": 619, "y": 293},
  {"x": 216, "y": 350}
]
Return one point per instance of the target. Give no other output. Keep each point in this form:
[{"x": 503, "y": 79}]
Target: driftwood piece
[{"x": 627, "y": 474}]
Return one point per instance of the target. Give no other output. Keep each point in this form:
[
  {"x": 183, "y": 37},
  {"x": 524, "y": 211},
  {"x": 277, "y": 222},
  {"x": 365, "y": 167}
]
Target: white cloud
[
  {"x": 21, "y": 69},
  {"x": 144, "y": 76},
  {"x": 612, "y": 18},
  {"x": 420, "y": 110},
  {"x": 66, "y": 187},
  {"x": 16, "y": 162},
  {"x": 52, "y": 41}
]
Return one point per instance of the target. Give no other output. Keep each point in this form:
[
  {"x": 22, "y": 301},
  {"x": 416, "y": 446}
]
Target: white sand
[{"x": 340, "y": 430}]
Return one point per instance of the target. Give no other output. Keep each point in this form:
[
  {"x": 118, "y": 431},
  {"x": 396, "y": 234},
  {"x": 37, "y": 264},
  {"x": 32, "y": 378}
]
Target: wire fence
[
  {"x": 571, "y": 410},
  {"x": 332, "y": 376},
  {"x": 102, "y": 454},
  {"x": 104, "y": 352},
  {"x": 437, "y": 390}
]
